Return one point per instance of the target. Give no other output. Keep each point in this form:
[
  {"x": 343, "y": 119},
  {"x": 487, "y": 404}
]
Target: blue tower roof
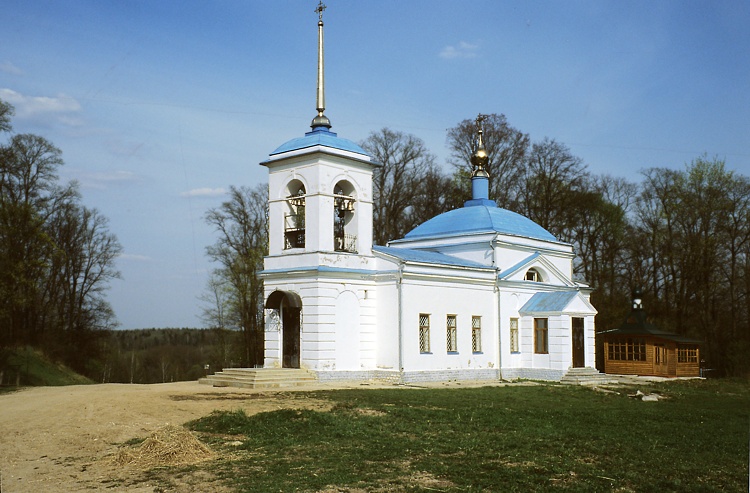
[
  {"x": 480, "y": 219},
  {"x": 320, "y": 136}
]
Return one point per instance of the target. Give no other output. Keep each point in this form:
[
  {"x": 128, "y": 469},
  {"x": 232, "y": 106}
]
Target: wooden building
[{"x": 638, "y": 347}]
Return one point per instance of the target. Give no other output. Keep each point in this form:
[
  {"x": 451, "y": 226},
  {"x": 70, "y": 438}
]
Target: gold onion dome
[{"x": 479, "y": 159}]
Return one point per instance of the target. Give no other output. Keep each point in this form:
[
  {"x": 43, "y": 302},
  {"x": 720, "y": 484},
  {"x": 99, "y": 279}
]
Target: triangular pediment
[{"x": 550, "y": 273}]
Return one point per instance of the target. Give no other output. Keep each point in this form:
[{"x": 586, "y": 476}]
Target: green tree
[
  {"x": 691, "y": 249},
  {"x": 56, "y": 256},
  {"x": 242, "y": 224}
]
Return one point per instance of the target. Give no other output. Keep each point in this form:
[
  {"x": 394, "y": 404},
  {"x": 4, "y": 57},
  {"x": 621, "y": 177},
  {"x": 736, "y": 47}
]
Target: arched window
[
  {"x": 294, "y": 217},
  {"x": 344, "y": 237},
  {"x": 533, "y": 275}
]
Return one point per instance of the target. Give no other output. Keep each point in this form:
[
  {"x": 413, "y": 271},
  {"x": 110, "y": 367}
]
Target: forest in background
[
  {"x": 166, "y": 355},
  {"x": 132, "y": 356},
  {"x": 682, "y": 235},
  {"x": 57, "y": 255}
]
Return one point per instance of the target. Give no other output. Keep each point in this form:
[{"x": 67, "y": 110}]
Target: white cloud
[
  {"x": 100, "y": 180},
  {"x": 63, "y": 108},
  {"x": 9, "y": 68},
  {"x": 204, "y": 192},
  {"x": 463, "y": 50}
]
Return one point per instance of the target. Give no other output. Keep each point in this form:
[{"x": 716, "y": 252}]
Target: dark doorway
[
  {"x": 290, "y": 326},
  {"x": 579, "y": 352},
  {"x": 289, "y": 306}
]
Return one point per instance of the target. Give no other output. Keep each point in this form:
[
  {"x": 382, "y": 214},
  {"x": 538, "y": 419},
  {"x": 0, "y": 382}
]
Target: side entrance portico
[{"x": 286, "y": 310}]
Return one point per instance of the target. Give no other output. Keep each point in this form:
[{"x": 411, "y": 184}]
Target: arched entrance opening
[{"x": 289, "y": 306}]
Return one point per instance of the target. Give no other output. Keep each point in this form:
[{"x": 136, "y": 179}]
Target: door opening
[{"x": 579, "y": 351}]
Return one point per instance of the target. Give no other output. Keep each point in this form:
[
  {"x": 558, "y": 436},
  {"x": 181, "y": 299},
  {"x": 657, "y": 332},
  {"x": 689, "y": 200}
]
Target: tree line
[
  {"x": 164, "y": 355},
  {"x": 56, "y": 255},
  {"x": 680, "y": 235}
]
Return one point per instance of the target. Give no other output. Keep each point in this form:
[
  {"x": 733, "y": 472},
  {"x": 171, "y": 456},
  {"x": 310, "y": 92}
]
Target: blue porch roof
[{"x": 555, "y": 301}]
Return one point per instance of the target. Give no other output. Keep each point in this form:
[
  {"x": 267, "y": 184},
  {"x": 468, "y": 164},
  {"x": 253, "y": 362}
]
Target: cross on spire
[
  {"x": 319, "y": 10},
  {"x": 480, "y": 119}
]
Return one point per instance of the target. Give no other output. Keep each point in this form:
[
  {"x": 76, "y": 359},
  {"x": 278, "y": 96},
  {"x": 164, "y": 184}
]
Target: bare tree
[
  {"x": 506, "y": 148},
  {"x": 404, "y": 162},
  {"x": 554, "y": 186},
  {"x": 600, "y": 232},
  {"x": 217, "y": 302},
  {"x": 6, "y": 111}
]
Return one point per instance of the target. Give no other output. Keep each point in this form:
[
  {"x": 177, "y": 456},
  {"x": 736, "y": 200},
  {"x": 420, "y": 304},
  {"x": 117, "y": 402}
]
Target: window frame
[
  {"x": 476, "y": 334},
  {"x": 451, "y": 333},
  {"x": 534, "y": 274},
  {"x": 541, "y": 336},
  {"x": 687, "y": 353},
  {"x": 627, "y": 349},
  {"x": 515, "y": 342},
  {"x": 424, "y": 333}
]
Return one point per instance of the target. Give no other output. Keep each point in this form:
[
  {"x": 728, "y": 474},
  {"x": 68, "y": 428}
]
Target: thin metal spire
[{"x": 320, "y": 120}]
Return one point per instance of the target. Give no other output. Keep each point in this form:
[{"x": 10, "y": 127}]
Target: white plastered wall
[{"x": 438, "y": 300}]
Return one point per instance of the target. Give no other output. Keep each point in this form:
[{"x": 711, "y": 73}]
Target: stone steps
[
  {"x": 260, "y": 378},
  {"x": 586, "y": 376}
]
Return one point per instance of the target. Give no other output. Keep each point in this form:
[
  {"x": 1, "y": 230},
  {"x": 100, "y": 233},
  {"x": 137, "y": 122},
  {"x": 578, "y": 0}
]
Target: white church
[{"x": 476, "y": 293}]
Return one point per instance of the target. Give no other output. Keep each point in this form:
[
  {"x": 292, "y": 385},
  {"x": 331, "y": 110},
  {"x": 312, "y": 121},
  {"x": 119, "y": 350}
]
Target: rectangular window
[
  {"x": 476, "y": 334},
  {"x": 687, "y": 354},
  {"x": 627, "y": 349},
  {"x": 637, "y": 347},
  {"x": 451, "y": 334},
  {"x": 424, "y": 333},
  {"x": 541, "y": 341},
  {"x": 514, "y": 348}
]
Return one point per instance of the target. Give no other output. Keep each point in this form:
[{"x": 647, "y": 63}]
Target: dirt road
[{"x": 61, "y": 439}]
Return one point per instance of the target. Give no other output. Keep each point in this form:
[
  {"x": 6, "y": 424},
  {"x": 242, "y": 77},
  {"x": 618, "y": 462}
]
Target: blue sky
[{"x": 159, "y": 106}]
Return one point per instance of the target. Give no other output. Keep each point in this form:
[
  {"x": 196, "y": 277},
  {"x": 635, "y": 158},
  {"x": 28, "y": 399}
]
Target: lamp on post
[{"x": 637, "y": 299}]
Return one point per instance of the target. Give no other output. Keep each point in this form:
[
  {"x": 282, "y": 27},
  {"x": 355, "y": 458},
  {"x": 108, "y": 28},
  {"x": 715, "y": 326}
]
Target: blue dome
[
  {"x": 320, "y": 136},
  {"x": 480, "y": 219}
]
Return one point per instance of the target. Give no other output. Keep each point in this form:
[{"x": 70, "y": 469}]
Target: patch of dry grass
[{"x": 168, "y": 446}]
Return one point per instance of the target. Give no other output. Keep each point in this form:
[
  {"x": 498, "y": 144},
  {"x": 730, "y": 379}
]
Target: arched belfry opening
[
  {"x": 288, "y": 306},
  {"x": 294, "y": 215},
  {"x": 344, "y": 218}
]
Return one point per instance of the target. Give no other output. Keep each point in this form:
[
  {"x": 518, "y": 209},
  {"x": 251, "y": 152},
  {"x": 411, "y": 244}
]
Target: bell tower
[
  {"x": 317, "y": 274},
  {"x": 320, "y": 191}
]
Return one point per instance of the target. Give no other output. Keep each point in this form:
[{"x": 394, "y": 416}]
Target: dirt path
[{"x": 58, "y": 439}]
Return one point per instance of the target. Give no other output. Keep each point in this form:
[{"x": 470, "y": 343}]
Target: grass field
[
  {"x": 28, "y": 366},
  {"x": 516, "y": 438}
]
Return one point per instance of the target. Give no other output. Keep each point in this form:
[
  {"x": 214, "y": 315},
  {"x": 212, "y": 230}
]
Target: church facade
[{"x": 476, "y": 293}]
